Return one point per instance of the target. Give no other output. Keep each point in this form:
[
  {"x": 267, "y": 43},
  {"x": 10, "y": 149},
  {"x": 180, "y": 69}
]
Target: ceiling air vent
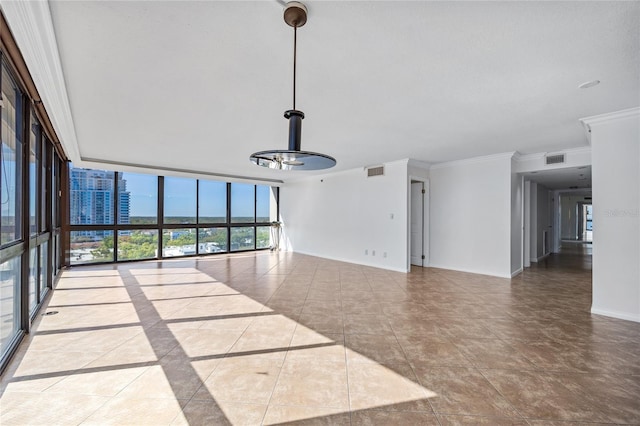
[
  {"x": 375, "y": 171},
  {"x": 554, "y": 159}
]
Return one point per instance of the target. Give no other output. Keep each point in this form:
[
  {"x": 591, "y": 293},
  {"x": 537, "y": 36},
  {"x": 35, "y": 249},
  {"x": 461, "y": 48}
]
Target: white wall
[
  {"x": 516, "y": 222},
  {"x": 615, "y": 140},
  {"x": 527, "y": 223},
  {"x": 339, "y": 216},
  {"x": 470, "y": 215}
]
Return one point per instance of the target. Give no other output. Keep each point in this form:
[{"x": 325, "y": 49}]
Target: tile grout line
[
  {"x": 203, "y": 384},
  {"x": 268, "y": 405},
  {"x": 416, "y": 376},
  {"x": 503, "y": 397}
]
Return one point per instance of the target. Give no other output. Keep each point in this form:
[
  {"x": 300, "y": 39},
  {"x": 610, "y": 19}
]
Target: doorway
[
  {"x": 585, "y": 222},
  {"x": 418, "y": 211}
]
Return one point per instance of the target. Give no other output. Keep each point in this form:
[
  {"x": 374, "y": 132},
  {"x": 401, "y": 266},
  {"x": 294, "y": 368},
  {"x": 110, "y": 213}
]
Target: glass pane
[
  {"x": 9, "y": 302},
  {"x": 139, "y": 244},
  {"x": 263, "y": 203},
  {"x": 54, "y": 192},
  {"x": 212, "y": 202},
  {"x": 212, "y": 240},
  {"x": 11, "y": 168},
  {"x": 91, "y": 197},
  {"x": 179, "y": 200},
  {"x": 91, "y": 247},
  {"x": 34, "y": 164},
  {"x": 33, "y": 278},
  {"x": 56, "y": 257},
  {"x": 44, "y": 253},
  {"x": 263, "y": 237},
  {"x": 138, "y": 198},
  {"x": 242, "y": 203},
  {"x": 178, "y": 242},
  {"x": 42, "y": 211},
  {"x": 242, "y": 238}
]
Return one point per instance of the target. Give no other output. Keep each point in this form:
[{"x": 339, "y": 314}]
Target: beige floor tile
[
  {"x": 206, "y": 342},
  {"x": 266, "y": 345},
  {"x": 321, "y": 383},
  {"x": 371, "y": 348},
  {"x": 165, "y": 381},
  {"x": 272, "y": 324},
  {"x": 477, "y": 420},
  {"x": 375, "y": 417},
  {"x": 36, "y": 408},
  {"x": 136, "y": 411},
  {"x": 432, "y": 351},
  {"x": 104, "y": 382},
  {"x": 307, "y": 344},
  {"x": 206, "y": 413},
  {"x": 366, "y": 324},
  {"x": 374, "y": 386},
  {"x": 38, "y": 370},
  {"x": 485, "y": 350},
  {"x": 463, "y": 391},
  {"x": 306, "y": 416},
  {"x": 492, "y": 353},
  {"x": 242, "y": 379},
  {"x": 539, "y": 395}
]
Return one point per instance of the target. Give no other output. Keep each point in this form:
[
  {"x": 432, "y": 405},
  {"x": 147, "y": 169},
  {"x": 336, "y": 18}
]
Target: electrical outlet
[
  {"x": 366, "y": 252},
  {"x": 384, "y": 254},
  {"x": 373, "y": 252}
]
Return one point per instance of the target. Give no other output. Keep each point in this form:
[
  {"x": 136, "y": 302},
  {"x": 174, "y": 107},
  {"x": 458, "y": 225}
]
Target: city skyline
[{"x": 138, "y": 197}]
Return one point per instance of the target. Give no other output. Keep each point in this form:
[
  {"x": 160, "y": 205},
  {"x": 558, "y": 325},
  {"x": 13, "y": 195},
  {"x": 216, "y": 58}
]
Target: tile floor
[{"x": 265, "y": 338}]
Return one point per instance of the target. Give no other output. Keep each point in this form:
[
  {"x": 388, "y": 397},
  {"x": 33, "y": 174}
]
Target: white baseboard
[
  {"x": 517, "y": 272},
  {"x": 357, "y": 262},
  {"x": 471, "y": 271},
  {"x": 618, "y": 315}
]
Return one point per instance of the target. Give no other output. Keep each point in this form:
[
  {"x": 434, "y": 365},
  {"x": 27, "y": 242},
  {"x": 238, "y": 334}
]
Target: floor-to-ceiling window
[
  {"x": 164, "y": 216},
  {"x": 11, "y": 181},
  {"x": 29, "y": 217}
]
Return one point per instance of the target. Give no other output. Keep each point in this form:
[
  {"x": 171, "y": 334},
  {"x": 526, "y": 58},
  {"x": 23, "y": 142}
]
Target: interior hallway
[{"x": 264, "y": 338}]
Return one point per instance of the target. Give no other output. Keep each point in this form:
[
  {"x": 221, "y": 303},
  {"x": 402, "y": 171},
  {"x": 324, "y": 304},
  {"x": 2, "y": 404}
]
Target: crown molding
[
  {"x": 610, "y": 116},
  {"x": 419, "y": 164},
  {"x": 31, "y": 25}
]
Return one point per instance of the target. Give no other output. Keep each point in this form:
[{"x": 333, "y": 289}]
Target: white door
[{"x": 417, "y": 223}]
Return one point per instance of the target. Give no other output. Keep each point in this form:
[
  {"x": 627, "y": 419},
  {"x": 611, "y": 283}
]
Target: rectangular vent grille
[
  {"x": 554, "y": 159},
  {"x": 375, "y": 171}
]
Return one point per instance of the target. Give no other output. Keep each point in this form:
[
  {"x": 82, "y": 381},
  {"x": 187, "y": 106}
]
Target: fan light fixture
[{"x": 295, "y": 15}]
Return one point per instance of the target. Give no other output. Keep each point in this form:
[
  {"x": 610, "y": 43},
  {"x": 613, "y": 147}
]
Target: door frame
[{"x": 425, "y": 221}]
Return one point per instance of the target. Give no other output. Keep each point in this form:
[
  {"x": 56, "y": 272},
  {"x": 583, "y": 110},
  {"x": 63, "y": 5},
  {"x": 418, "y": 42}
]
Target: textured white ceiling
[{"x": 201, "y": 85}]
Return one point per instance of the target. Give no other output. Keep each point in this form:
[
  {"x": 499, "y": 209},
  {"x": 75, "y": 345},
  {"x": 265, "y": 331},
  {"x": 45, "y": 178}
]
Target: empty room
[{"x": 319, "y": 212}]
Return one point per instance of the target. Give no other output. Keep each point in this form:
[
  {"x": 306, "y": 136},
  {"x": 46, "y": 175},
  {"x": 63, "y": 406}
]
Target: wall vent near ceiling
[
  {"x": 375, "y": 171},
  {"x": 554, "y": 159}
]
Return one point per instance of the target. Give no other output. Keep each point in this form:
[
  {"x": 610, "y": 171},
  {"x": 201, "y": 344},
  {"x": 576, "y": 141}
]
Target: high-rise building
[{"x": 91, "y": 199}]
